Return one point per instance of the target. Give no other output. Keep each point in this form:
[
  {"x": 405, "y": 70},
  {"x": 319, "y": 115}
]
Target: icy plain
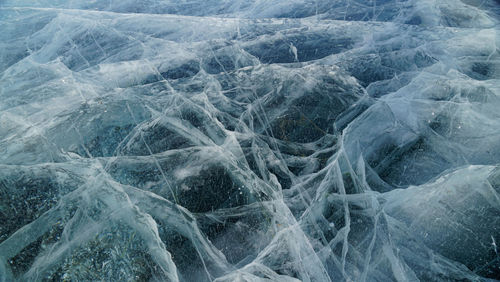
[{"x": 249, "y": 140}]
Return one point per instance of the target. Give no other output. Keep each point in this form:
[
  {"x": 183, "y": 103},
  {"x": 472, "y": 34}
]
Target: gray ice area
[{"x": 249, "y": 140}]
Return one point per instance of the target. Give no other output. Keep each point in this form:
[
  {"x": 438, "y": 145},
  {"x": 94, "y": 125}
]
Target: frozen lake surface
[{"x": 250, "y": 140}]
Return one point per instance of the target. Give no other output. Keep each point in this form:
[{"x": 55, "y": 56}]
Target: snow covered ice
[{"x": 249, "y": 140}]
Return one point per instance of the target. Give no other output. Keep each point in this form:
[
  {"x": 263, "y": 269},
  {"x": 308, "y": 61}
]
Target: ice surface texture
[{"x": 249, "y": 140}]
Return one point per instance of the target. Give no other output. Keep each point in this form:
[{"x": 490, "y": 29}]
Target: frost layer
[{"x": 249, "y": 140}]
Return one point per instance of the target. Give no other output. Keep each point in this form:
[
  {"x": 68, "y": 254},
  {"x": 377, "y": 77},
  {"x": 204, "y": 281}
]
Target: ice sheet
[{"x": 249, "y": 140}]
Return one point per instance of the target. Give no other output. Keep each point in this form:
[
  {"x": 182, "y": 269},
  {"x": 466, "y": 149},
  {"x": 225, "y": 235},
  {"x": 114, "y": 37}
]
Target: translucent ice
[{"x": 249, "y": 140}]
